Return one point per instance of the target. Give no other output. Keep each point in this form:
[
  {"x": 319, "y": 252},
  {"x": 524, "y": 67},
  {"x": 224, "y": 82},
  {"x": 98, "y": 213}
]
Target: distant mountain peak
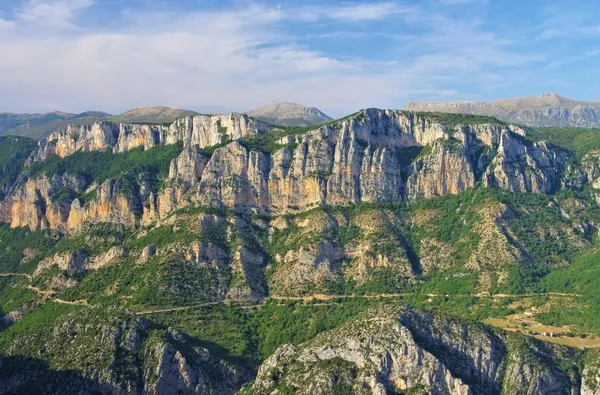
[
  {"x": 549, "y": 95},
  {"x": 290, "y": 114},
  {"x": 153, "y": 114},
  {"x": 546, "y": 109}
]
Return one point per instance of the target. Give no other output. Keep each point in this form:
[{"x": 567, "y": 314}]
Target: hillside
[
  {"x": 152, "y": 115},
  {"x": 37, "y": 126},
  {"x": 290, "y": 114},
  {"x": 40, "y": 125},
  {"x": 219, "y": 251},
  {"x": 548, "y": 110}
]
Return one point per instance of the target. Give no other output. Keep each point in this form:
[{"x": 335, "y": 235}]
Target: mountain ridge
[
  {"x": 194, "y": 256},
  {"x": 153, "y": 114},
  {"x": 39, "y": 125},
  {"x": 290, "y": 114},
  {"x": 545, "y": 110}
]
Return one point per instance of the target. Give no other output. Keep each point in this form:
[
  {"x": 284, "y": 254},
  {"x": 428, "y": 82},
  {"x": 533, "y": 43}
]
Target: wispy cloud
[
  {"x": 463, "y": 2},
  {"x": 353, "y": 13},
  {"x": 56, "y": 13},
  {"x": 559, "y": 63},
  {"x": 578, "y": 20},
  {"x": 248, "y": 55}
]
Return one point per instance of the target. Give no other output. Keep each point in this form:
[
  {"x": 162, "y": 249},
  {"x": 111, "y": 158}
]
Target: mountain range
[
  {"x": 40, "y": 125},
  {"x": 290, "y": 114},
  {"x": 549, "y": 110},
  {"x": 386, "y": 252}
]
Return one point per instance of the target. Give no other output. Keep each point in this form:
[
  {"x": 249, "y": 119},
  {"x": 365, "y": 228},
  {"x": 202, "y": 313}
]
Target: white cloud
[
  {"x": 54, "y": 13},
  {"x": 5, "y": 25},
  {"x": 351, "y": 13},
  {"x": 235, "y": 59},
  {"x": 559, "y": 22}
]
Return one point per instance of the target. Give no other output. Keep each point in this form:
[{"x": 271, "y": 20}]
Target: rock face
[
  {"x": 129, "y": 357},
  {"x": 199, "y": 130},
  {"x": 157, "y": 114},
  {"x": 374, "y": 156},
  {"x": 290, "y": 114},
  {"x": 411, "y": 351},
  {"x": 40, "y": 125},
  {"x": 544, "y": 110}
]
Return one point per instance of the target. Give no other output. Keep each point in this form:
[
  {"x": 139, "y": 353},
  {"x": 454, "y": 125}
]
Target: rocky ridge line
[{"x": 374, "y": 156}]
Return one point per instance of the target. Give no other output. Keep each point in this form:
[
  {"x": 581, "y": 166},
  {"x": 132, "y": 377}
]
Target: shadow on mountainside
[{"x": 25, "y": 375}]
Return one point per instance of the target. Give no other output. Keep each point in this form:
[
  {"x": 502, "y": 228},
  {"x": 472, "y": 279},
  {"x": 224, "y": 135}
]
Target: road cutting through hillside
[
  {"x": 171, "y": 309},
  {"x": 27, "y": 276},
  {"x": 329, "y": 298},
  {"x": 49, "y": 295}
]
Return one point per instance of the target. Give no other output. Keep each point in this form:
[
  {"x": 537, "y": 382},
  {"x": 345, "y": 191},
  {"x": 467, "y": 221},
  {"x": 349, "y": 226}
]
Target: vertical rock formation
[
  {"x": 413, "y": 351},
  {"x": 373, "y": 156}
]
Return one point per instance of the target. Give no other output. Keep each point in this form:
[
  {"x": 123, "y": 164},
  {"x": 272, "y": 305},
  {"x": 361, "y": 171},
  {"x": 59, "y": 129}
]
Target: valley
[{"x": 216, "y": 253}]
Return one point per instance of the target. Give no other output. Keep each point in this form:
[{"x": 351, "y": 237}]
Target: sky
[{"x": 211, "y": 55}]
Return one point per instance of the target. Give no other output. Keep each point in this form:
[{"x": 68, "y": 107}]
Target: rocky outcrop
[
  {"x": 590, "y": 380},
  {"x": 581, "y": 116},
  {"x": 547, "y": 109},
  {"x": 129, "y": 357},
  {"x": 178, "y": 370},
  {"x": 106, "y": 258},
  {"x": 64, "y": 261},
  {"x": 374, "y": 156},
  {"x": 290, "y": 114},
  {"x": 408, "y": 350},
  {"x": 189, "y": 166},
  {"x": 199, "y": 130}
]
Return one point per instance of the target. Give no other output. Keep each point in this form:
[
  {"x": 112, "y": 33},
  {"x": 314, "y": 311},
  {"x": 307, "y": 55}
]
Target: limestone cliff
[
  {"x": 373, "y": 156},
  {"x": 547, "y": 109},
  {"x": 198, "y": 130},
  {"x": 128, "y": 358},
  {"x": 410, "y": 351}
]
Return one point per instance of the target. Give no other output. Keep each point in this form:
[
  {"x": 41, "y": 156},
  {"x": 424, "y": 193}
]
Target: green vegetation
[
  {"x": 251, "y": 335},
  {"x": 13, "y": 293},
  {"x": 453, "y": 120},
  {"x": 97, "y": 166},
  {"x": 580, "y": 141},
  {"x": 533, "y": 211},
  {"x": 466, "y": 307},
  {"x": 456, "y": 215},
  {"x": 160, "y": 237},
  {"x": 14, "y": 151},
  {"x": 21, "y": 249},
  {"x": 223, "y": 132},
  {"x": 209, "y": 150},
  {"x": 32, "y": 323},
  {"x": 268, "y": 142},
  {"x": 170, "y": 282},
  {"x": 582, "y": 277}
]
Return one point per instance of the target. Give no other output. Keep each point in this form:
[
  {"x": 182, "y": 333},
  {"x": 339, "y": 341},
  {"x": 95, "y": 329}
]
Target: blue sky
[{"x": 209, "y": 55}]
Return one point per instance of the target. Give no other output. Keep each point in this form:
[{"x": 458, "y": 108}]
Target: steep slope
[
  {"x": 37, "y": 126},
  {"x": 253, "y": 210},
  {"x": 290, "y": 114},
  {"x": 10, "y": 121},
  {"x": 129, "y": 250},
  {"x": 108, "y": 351},
  {"x": 375, "y": 156},
  {"x": 409, "y": 351},
  {"x": 544, "y": 110},
  {"x": 152, "y": 115}
]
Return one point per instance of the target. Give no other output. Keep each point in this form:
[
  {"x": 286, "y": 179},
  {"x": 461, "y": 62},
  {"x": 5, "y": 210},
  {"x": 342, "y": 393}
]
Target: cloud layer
[{"x": 76, "y": 55}]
